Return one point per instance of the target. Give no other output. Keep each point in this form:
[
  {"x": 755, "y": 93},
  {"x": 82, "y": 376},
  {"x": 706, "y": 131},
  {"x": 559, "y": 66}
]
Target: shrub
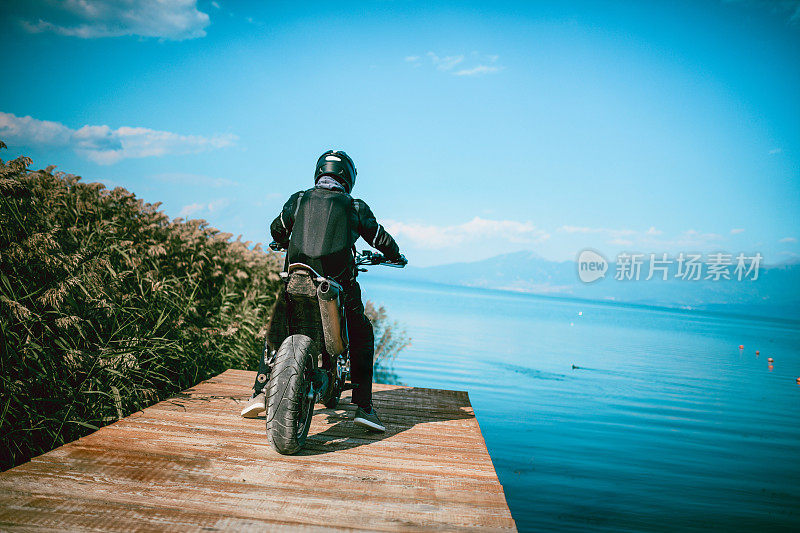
[{"x": 108, "y": 306}]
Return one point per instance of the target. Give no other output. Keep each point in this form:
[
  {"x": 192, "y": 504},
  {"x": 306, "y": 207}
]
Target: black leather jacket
[{"x": 320, "y": 228}]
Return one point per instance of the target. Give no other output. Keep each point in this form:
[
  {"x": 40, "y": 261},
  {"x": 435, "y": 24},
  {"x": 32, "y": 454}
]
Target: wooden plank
[{"x": 191, "y": 463}]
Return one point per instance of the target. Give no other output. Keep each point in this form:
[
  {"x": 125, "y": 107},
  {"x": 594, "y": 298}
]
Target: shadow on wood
[{"x": 400, "y": 409}]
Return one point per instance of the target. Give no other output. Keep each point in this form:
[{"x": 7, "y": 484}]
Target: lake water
[{"x": 666, "y": 425}]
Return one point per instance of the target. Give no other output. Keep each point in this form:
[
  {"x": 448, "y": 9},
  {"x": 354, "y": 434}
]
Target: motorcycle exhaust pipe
[{"x": 328, "y": 296}]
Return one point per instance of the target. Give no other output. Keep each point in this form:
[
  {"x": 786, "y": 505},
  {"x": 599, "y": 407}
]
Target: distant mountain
[{"x": 776, "y": 292}]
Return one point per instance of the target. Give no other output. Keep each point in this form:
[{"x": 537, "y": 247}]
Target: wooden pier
[{"x": 191, "y": 463}]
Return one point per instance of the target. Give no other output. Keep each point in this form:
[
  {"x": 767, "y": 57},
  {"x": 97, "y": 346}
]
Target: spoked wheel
[{"x": 289, "y": 407}]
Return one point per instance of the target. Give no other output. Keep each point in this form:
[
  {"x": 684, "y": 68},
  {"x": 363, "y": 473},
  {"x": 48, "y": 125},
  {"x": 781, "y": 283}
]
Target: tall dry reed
[{"x": 107, "y": 306}]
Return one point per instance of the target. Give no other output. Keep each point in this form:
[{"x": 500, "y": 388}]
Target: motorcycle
[{"x": 313, "y": 362}]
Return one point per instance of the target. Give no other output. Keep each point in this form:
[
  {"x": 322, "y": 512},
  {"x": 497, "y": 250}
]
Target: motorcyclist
[{"x": 319, "y": 227}]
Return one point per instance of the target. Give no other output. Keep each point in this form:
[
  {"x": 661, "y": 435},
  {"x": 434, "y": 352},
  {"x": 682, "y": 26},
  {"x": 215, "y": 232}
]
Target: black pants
[{"x": 362, "y": 347}]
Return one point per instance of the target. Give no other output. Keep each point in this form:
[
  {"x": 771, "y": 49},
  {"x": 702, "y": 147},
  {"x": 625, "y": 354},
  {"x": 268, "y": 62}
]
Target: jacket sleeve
[
  {"x": 281, "y": 227},
  {"x": 374, "y": 233}
]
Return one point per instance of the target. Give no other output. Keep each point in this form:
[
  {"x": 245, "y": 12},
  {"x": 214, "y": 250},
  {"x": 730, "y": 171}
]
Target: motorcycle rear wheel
[{"x": 289, "y": 409}]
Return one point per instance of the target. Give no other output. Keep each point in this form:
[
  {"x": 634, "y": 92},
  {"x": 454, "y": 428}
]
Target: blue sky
[{"x": 477, "y": 128}]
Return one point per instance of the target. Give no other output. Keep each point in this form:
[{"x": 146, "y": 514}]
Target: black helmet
[{"x": 337, "y": 164}]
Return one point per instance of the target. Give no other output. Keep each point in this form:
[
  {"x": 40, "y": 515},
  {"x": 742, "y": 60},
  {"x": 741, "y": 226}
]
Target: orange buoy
[
  {"x": 769, "y": 359},
  {"x": 757, "y": 352},
  {"x": 741, "y": 346}
]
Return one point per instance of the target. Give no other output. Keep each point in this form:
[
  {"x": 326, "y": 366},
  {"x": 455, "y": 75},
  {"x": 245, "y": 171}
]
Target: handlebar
[
  {"x": 367, "y": 257},
  {"x": 363, "y": 258}
]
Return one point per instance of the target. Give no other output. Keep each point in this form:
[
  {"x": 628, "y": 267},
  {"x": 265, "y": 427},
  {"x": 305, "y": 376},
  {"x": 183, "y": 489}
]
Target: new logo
[{"x": 591, "y": 266}]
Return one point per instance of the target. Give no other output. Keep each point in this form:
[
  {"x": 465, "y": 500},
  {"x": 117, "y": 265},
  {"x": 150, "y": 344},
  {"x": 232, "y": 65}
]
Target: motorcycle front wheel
[{"x": 289, "y": 408}]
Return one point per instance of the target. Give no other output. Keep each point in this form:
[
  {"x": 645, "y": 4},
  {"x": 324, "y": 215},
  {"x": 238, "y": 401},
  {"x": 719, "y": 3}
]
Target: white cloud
[
  {"x": 651, "y": 238},
  {"x": 737, "y": 231},
  {"x": 686, "y": 241},
  {"x": 487, "y": 64},
  {"x": 218, "y": 205},
  {"x": 580, "y": 229},
  {"x": 215, "y": 4},
  {"x": 189, "y": 210},
  {"x": 445, "y": 63},
  {"x": 476, "y": 230},
  {"x": 654, "y": 231},
  {"x": 90, "y": 19},
  {"x": 789, "y": 240},
  {"x": 775, "y": 151},
  {"x": 695, "y": 238},
  {"x": 103, "y": 145},
  {"x": 473, "y": 65},
  {"x": 40, "y": 132},
  {"x": 607, "y": 231},
  {"x": 621, "y": 242},
  {"x": 197, "y": 208},
  {"x": 475, "y": 71}
]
